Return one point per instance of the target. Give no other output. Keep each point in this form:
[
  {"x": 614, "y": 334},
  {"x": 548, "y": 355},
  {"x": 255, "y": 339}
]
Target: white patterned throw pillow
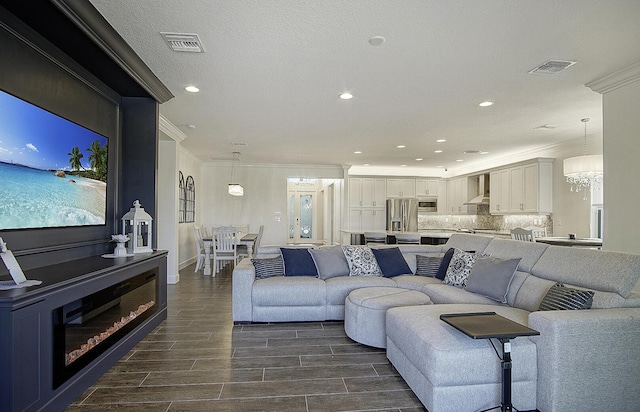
[
  {"x": 460, "y": 267},
  {"x": 361, "y": 261}
]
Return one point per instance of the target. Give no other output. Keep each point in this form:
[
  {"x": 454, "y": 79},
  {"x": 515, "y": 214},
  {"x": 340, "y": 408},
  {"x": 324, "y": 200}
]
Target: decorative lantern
[{"x": 136, "y": 223}]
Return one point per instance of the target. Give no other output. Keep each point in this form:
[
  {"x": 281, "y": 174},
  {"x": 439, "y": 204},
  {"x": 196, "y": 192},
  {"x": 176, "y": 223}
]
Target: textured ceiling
[{"x": 272, "y": 72}]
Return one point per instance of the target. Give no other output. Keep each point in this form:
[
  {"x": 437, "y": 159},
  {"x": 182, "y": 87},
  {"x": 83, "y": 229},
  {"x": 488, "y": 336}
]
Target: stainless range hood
[{"x": 482, "y": 197}]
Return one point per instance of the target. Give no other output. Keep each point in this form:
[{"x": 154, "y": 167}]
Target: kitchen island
[{"x": 427, "y": 236}]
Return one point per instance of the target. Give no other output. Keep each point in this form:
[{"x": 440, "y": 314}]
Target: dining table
[
  {"x": 566, "y": 241},
  {"x": 248, "y": 239}
]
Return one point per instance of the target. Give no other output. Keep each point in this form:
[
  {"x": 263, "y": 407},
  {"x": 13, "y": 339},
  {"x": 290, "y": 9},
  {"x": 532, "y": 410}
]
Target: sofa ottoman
[
  {"x": 365, "y": 312},
  {"x": 449, "y": 371}
]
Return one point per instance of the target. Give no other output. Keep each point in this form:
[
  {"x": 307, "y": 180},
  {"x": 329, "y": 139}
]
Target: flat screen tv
[{"x": 53, "y": 172}]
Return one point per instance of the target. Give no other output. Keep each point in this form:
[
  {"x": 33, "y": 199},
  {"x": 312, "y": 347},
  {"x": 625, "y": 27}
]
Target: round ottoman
[{"x": 365, "y": 311}]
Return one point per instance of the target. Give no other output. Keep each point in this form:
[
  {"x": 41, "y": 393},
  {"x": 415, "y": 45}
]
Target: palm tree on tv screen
[
  {"x": 76, "y": 158},
  {"x": 98, "y": 159}
]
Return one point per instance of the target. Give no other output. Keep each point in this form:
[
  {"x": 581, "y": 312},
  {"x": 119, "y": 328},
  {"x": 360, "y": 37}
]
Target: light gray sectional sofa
[{"x": 583, "y": 360}]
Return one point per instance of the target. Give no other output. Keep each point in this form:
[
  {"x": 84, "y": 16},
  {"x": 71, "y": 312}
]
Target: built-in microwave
[{"x": 428, "y": 205}]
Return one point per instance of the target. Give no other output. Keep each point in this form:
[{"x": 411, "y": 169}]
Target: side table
[{"x": 489, "y": 325}]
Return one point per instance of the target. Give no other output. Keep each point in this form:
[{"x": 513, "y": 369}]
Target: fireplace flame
[{"x": 97, "y": 339}]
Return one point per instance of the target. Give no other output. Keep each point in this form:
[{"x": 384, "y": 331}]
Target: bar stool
[
  {"x": 375, "y": 238},
  {"x": 408, "y": 238}
]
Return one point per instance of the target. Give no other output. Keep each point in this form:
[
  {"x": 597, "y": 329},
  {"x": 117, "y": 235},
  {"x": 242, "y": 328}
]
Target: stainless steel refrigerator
[{"x": 402, "y": 215}]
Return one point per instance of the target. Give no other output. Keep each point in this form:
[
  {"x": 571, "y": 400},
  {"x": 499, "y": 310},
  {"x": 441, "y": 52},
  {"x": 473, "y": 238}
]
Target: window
[
  {"x": 182, "y": 198},
  {"x": 187, "y": 206},
  {"x": 190, "y": 200}
]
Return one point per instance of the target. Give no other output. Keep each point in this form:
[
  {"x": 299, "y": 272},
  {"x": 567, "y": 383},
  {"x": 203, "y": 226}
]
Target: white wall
[
  {"x": 265, "y": 195},
  {"x": 621, "y": 105},
  {"x": 189, "y": 165},
  {"x": 622, "y": 168},
  {"x": 166, "y": 218}
]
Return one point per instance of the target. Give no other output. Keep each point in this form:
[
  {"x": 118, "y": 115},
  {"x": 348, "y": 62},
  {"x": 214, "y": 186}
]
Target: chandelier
[
  {"x": 583, "y": 172},
  {"x": 235, "y": 189}
]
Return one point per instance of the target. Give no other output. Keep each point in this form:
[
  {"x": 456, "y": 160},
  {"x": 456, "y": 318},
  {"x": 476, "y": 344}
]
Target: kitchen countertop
[
  {"x": 565, "y": 241},
  {"x": 434, "y": 233}
]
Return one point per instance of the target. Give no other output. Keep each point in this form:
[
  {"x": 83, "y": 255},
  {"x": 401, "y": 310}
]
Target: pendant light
[
  {"x": 583, "y": 172},
  {"x": 235, "y": 189}
]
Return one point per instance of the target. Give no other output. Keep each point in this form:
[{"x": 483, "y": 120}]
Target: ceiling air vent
[
  {"x": 183, "y": 42},
  {"x": 552, "y": 67}
]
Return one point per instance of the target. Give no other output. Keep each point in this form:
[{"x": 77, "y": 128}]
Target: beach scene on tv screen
[{"x": 53, "y": 172}]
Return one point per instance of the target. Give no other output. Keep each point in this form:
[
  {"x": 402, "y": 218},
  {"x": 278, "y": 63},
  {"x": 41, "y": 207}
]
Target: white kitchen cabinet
[
  {"x": 537, "y": 187},
  {"x": 355, "y": 192},
  {"x": 459, "y": 191},
  {"x": 367, "y": 192},
  {"x": 374, "y": 192},
  {"x": 367, "y": 219},
  {"x": 429, "y": 187},
  {"x": 500, "y": 189},
  {"x": 517, "y": 189},
  {"x": 401, "y": 187},
  {"x": 367, "y": 203},
  {"x": 524, "y": 188}
]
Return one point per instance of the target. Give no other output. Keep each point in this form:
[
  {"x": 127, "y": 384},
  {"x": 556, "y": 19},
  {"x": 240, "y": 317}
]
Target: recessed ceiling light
[
  {"x": 483, "y": 153},
  {"x": 419, "y": 159},
  {"x": 546, "y": 127},
  {"x": 357, "y": 152},
  {"x": 191, "y": 126},
  {"x": 367, "y": 164},
  {"x": 192, "y": 89},
  {"x": 441, "y": 140},
  {"x": 376, "y": 40},
  {"x": 437, "y": 151},
  {"x": 486, "y": 104},
  {"x": 440, "y": 166},
  {"x": 403, "y": 165},
  {"x": 401, "y": 146},
  {"x": 346, "y": 96},
  {"x": 459, "y": 160}
]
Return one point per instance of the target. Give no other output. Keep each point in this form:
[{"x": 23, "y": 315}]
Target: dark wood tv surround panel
[
  {"x": 63, "y": 56},
  {"x": 32, "y": 370}
]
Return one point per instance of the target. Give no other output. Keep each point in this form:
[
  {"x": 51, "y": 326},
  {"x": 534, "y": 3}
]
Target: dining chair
[
  {"x": 197, "y": 236},
  {"x": 375, "y": 238},
  {"x": 408, "y": 238},
  {"x": 256, "y": 244},
  {"x": 224, "y": 249},
  {"x": 523, "y": 234},
  {"x": 241, "y": 230},
  {"x": 537, "y": 231}
]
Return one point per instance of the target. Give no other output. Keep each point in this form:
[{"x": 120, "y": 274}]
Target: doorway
[{"x": 303, "y": 216}]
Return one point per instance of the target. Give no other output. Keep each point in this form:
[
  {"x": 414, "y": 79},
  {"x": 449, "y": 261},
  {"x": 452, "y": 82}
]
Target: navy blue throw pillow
[
  {"x": 391, "y": 262},
  {"x": 298, "y": 262},
  {"x": 446, "y": 259}
]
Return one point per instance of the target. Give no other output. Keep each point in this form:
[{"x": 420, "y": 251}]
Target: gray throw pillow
[
  {"x": 330, "y": 262},
  {"x": 268, "y": 267},
  {"x": 560, "y": 297},
  {"x": 491, "y": 277},
  {"x": 428, "y": 265}
]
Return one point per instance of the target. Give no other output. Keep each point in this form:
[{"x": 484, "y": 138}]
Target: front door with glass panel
[{"x": 302, "y": 216}]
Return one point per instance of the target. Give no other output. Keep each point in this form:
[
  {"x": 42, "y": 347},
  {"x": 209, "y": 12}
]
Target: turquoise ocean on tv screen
[{"x": 33, "y": 198}]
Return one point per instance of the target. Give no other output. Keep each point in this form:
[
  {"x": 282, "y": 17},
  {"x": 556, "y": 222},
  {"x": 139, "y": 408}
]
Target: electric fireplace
[{"x": 84, "y": 328}]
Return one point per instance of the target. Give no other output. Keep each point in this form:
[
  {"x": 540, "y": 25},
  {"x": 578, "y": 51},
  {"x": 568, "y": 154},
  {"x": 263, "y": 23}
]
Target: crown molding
[
  {"x": 171, "y": 130},
  {"x": 96, "y": 28},
  {"x": 616, "y": 80}
]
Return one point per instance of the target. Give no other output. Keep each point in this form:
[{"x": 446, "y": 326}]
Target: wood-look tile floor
[{"x": 197, "y": 360}]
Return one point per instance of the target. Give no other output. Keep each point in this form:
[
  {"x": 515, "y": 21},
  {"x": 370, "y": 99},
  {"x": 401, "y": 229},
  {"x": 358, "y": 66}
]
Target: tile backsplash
[{"x": 501, "y": 223}]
